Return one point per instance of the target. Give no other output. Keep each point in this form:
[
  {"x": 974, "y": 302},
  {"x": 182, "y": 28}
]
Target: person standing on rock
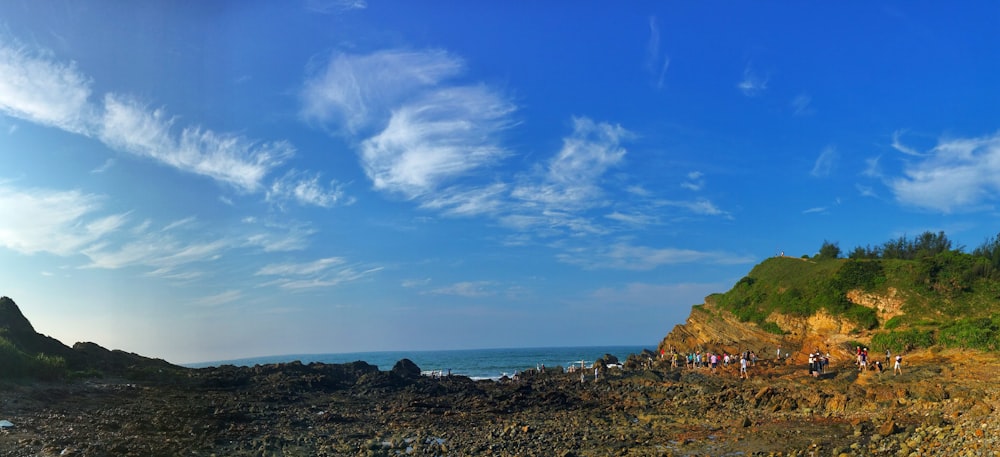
[
  {"x": 897, "y": 368},
  {"x": 743, "y": 368}
]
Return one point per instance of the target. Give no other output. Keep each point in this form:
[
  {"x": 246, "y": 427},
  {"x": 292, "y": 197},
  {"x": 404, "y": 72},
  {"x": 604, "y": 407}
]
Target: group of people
[
  {"x": 864, "y": 363},
  {"x": 712, "y": 360},
  {"x": 818, "y": 362}
]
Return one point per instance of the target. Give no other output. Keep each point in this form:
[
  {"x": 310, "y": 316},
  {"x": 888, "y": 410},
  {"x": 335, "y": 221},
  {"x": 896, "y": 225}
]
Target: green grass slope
[{"x": 950, "y": 298}]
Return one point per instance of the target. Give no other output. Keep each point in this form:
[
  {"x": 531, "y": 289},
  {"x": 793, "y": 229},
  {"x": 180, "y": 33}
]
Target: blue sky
[{"x": 211, "y": 180}]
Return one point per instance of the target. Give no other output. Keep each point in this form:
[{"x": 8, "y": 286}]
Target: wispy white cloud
[
  {"x": 468, "y": 289},
  {"x": 416, "y": 127},
  {"x": 273, "y": 236},
  {"x": 325, "y": 272},
  {"x": 159, "y": 250},
  {"x": 39, "y": 89},
  {"x": 872, "y": 167},
  {"x": 635, "y": 219},
  {"x": 179, "y": 223},
  {"x": 469, "y": 201},
  {"x": 335, "y": 6},
  {"x": 129, "y": 126},
  {"x": 702, "y": 206},
  {"x": 825, "y": 163},
  {"x": 221, "y": 298},
  {"x": 104, "y": 166},
  {"x": 354, "y": 93},
  {"x": 306, "y": 189},
  {"x": 442, "y": 136},
  {"x": 957, "y": 174},
  {"x": 695, "y": 181},
  {"x": 638, "y": 190},
  {"x": 865, "y": 191},
  {"x": 571, "y": 181},
  {"x": 408, "y": 283},
  {"x": 625, "y": 256},
  {"x": 899, "y": 146},
  {"x": 802, "y": 105},
  {"x": 752, "y": 83},
  {"x": 300, "y": 269},
  {"x": 72, "y": 223},
  {"x": 656, "y": 63},
  {"x": 52, "y": 221},
  {"x": 423, "y": 134}
]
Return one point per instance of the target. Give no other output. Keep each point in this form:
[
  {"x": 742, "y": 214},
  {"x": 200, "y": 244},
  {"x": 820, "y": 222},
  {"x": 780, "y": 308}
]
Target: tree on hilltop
[{"x": 828, "y": 251}]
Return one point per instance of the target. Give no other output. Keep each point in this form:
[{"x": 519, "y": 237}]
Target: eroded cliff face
[
  {"x": 711, "y": 328},
  {"x": 887, "y": 305}
]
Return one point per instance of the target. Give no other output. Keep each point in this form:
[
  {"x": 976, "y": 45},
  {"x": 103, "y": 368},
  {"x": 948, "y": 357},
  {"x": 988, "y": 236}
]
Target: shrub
[
  {"x": 893, "y": 323},
  {"x": 864, "y": 316},
  {"x": 859, "y": 274},
  {"x": 980, "y": 333},
  {"x": 48, "y": 367},
  {"x": 772, "y": 327},
  {"x": 902, "y": 340}
]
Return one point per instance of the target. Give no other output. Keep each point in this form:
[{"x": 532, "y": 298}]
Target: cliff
[{"x": 833, "y": 305}]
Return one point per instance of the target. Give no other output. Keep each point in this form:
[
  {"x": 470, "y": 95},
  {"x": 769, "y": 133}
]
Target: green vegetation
[
  {"x": 902, "y": 340},
  {"x": 15, "y": 364},
  {"x": 951, "y": 298}
]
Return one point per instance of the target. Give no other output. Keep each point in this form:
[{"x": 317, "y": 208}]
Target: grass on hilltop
[{"x": 951, "y": 298}]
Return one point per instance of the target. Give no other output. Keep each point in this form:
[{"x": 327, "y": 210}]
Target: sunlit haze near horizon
[{"x": 214, "y": 180}]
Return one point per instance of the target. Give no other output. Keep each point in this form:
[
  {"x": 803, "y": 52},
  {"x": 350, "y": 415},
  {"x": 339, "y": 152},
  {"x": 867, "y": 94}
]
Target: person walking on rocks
[
  {"x": 743, "y": 368},
  {"x": 897, "y": 368}
]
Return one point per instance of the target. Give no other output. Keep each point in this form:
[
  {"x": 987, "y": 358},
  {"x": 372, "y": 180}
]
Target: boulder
[
  {"x": 607, "y": 359},
  {"x": 405, "y": 368}
]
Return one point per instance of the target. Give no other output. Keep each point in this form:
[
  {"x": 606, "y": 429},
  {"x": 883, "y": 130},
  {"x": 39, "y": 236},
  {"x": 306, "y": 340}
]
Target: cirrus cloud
[{"x": 956, "y": 175}]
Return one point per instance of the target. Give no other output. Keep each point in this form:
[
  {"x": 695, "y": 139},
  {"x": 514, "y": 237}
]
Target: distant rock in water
[
  {"x": 608, "y": 359},
  {"x": 406, "y": 368}
]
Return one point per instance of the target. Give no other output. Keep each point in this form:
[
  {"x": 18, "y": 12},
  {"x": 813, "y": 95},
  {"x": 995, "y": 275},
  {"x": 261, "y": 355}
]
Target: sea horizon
[{"x": 484, "y": 363}]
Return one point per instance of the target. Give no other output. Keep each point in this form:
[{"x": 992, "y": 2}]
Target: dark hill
[
  {"x": 27, "y": 353},
  {"x": 16, "y": 329}
]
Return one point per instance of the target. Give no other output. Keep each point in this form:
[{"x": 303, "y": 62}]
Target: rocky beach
[{"x": 943, "y": 404}]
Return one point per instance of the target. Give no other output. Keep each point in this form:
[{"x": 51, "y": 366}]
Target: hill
[
  {"x": 25, "y": 353},
  {"x": 946, "y": 299}
]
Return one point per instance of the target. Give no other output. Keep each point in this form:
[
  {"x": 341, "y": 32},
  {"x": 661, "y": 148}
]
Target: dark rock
[
  {"x": 608, "y": 359},
  {"x": 405, "y": 368}
]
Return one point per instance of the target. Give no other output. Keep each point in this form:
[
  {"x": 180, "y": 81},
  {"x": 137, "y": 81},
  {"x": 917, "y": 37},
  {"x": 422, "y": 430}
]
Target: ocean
[{"x": 474, "y": 363}]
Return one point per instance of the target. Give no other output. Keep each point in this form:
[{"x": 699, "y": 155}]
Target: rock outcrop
[{"x": 709, "y": 327}]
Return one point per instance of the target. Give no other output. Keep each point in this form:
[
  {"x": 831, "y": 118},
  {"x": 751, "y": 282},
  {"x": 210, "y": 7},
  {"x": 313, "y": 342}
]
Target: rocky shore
[{"x": 943, "y": 404}]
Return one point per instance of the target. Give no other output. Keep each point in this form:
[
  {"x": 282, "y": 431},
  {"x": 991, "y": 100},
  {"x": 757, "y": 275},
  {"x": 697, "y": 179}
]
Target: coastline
[{"x": 485, "y": 363}]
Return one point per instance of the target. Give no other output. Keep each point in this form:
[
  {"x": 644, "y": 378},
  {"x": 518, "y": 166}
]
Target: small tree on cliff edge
[{"x": 828, "y": 251}]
